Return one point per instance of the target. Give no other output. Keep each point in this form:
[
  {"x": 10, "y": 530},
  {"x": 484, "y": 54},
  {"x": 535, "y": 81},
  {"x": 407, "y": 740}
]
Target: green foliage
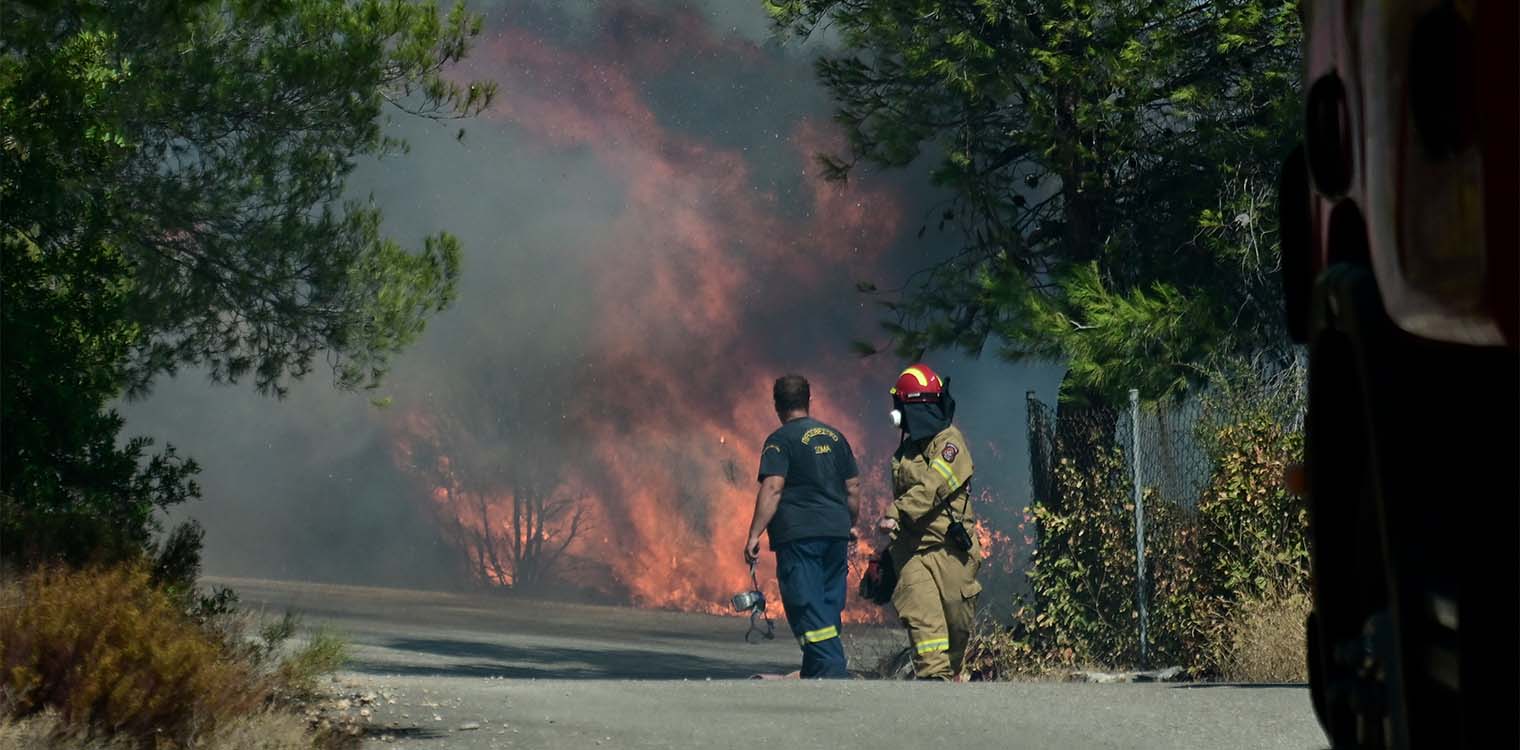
[
  {"x": 300, "y": 673},
  {"x": 218, "y": 138},
  {"x": 173, "y": 177},
  {"x": 1255, "y": 527},
  {"x": 177, "y": 559},
  {"x": 1073, "y": 136},
  {"x": 1246, "y": 543},
  {"x": 1148, "y": 339},
  {"x": 1242, "y": 542},
  {"x": 1083, "y": 573},
  {"x": 70, "y": 490}
]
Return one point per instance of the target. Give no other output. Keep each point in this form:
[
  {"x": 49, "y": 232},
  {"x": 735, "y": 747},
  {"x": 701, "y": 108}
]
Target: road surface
[{"x": 464, "y": 672}]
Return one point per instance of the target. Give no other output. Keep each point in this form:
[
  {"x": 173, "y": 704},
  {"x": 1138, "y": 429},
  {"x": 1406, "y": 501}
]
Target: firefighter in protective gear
[{"x": 937, "y": 563}]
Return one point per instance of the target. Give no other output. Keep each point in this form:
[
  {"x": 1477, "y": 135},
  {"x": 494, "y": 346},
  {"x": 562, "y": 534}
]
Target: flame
[
  {"x": 698, "y": 289},
  {"x": 998, "y": 550}
]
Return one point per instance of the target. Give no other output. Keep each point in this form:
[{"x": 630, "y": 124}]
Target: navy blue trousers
[{"x": 812, "y": 574}]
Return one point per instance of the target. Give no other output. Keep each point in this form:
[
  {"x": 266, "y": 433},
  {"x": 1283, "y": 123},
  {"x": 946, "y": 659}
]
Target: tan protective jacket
[{"x": 924, "y": 475}]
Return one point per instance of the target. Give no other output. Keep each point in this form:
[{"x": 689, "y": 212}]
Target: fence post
[
  {"x": 1134, "y": 462},
  {"x": 1034, "y": 429}
]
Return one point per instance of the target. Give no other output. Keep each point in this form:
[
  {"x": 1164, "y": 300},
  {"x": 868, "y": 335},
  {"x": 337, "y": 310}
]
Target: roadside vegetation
[
  {"x": 259, "y": 731},
  {"x": 1267, "y": 639},
  {"x": 108, "y": 657},
  {"x": 1226, "y": 572},
  {"x": 1110, "y": 171}
]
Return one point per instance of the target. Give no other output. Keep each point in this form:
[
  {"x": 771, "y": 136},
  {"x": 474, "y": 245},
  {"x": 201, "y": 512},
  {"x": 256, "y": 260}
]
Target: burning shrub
[
  {"x": 501, "y": 503},
  {"x": 115, "y": 656}
]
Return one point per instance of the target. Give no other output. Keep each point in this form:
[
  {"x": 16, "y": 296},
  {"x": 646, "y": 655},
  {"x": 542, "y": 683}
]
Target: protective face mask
[{"x": 896, "y": 418}]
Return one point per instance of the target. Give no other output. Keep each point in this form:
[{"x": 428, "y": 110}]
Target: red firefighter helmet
[{"x": 918, "y": 384}]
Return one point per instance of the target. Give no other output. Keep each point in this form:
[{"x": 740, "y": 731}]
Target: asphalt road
[{"x": 458, "y": 672}]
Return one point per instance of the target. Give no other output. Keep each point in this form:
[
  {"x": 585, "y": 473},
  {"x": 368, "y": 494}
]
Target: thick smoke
[{"x": 647, "y": 247}]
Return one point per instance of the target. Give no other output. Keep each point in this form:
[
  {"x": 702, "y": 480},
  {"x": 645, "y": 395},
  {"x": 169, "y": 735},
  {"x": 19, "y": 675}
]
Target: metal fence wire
[
  {"x": 1164, "y": 442},
  {"x": 1152, "y": 452}
]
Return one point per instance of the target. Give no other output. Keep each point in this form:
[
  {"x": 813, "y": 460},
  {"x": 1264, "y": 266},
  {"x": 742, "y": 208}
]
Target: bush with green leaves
[
  {"x": 1103, "y": 164},
  {"x": 1083, "y": 572},
  {"x": 1248, "y": 541},
  {"x": 1242, "y": 541}
]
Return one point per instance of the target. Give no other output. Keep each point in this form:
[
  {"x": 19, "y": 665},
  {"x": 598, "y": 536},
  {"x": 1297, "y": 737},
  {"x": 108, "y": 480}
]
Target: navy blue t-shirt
[{"x": 815, "y": 460}]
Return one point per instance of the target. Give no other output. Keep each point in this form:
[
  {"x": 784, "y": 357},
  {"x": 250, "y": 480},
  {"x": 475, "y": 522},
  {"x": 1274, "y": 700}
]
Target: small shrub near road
[
  {"x": 301, "y": 672},
  {"x": 115, "y": 656},
  {"x": 101, "y": 659}
]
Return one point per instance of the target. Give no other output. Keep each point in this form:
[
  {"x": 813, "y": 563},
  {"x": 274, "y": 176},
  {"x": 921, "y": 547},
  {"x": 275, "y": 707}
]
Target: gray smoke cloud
[{"x": 636, "y": 145}]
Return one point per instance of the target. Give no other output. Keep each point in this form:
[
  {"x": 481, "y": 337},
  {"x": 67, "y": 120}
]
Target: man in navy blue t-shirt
[{"x": 808, "y": 501}]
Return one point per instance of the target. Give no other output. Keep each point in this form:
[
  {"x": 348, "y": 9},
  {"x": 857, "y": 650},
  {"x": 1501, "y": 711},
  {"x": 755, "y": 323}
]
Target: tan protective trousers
[{"x": 936, "y": 598}]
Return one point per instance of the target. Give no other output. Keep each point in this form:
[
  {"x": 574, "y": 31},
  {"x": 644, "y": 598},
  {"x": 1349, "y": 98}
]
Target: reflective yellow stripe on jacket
[{"x": 948, "y": 473}]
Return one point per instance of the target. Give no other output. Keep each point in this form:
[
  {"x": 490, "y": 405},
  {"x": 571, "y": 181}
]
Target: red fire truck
[{"x": 1398, "y": 216}]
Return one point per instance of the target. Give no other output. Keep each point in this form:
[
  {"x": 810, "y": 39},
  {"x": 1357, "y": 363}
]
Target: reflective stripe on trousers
[
  {"x": 812, "y": 576},
  {"x": 821, "y": 634}
]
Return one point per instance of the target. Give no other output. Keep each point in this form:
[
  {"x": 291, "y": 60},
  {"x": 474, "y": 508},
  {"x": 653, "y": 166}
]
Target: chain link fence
[
  {"x": 1165, "y": 446},
  {"x": 1150, "y": 462}
]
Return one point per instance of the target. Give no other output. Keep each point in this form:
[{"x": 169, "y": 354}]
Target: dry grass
[
  {"x": 996, "y": 654},
  {"x": 42, "y": 732},
  {"x": 300, "y": 674},
  {"x": 105, "y": 660},
  {"x": 260, "y": 731},
  {"x": 263, "y": 731},
  {"x": 1267, "y": 640}
]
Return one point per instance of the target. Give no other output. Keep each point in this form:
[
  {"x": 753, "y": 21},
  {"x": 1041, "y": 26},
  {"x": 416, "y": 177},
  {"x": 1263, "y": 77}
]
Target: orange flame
[{"x": 674, "y": 402}]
